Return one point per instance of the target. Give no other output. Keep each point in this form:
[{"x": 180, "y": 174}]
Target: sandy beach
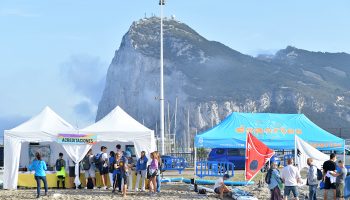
[{"x": 170, "y": 191}]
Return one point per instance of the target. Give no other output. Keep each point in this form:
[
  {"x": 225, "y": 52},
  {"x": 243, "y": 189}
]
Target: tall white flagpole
[{"x": 161, "y": 4}]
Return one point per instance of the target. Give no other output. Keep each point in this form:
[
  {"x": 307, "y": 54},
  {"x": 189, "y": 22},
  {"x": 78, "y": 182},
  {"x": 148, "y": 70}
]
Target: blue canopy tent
[{"x": 275, "y": 130}]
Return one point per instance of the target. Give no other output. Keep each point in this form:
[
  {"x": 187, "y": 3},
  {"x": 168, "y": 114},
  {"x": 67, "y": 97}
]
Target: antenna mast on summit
[{"x": 161, "y": 4}]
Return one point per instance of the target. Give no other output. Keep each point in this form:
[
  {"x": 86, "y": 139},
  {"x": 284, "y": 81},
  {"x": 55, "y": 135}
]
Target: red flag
[{"x": 257, "y": 154}]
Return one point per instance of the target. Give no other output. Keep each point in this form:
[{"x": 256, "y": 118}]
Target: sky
[{"x": 57, "y": 52}]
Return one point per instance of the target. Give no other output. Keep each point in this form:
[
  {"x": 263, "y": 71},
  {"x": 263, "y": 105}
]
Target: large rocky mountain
[{"x": 211, "y": 80}]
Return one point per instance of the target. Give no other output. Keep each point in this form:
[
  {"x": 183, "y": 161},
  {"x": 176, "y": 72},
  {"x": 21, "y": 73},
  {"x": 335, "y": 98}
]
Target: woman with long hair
[
  {"x": 117, "y": 178},
  {"x": 153, "y": 170},
  {"x": 39, "y": 166},
  {"x": 158, "y": 178}
]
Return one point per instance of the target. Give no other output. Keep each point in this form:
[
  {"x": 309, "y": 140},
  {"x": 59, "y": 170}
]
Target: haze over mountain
[{"x": 211, "y": 80}]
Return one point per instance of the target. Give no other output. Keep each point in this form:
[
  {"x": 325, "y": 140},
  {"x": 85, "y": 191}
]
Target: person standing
[
  {"x": 131, "y": 169},
  {"x": 275, "y": 182},
  {"x": 71, "y": 172},
  {"x": 291, "y": 177},
  {"x": 103, "y": 166},
  {"x": 158, "y": 177},
  {"x": 60, "y": 171},
  {"x": 329, "y": 168},
  {"x": 39, "y": 166},
  {"x": 340, "y": 182},
  {"x": 111, "y": 167},
  {"x": 141, "y": 171},
  {"x": 124, "y": 172},
  {"x": 90, "y": 169},
  {"x": 312, "y": 179},
  {"x": 153, "y": 171},
  {"x": 116, "y": 173}
]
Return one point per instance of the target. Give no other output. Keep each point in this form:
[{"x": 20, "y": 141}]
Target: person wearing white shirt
[
  {"x": 220, "y": 187},
  {"x": 103, "y": 166},
  {"x": 291, "y": 177}
]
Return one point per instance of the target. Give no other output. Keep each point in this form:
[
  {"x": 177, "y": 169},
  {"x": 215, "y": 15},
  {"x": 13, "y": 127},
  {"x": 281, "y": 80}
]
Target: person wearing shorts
[
  {"x": 220, "y": 187},
  {"x": 340, "y": 181},
  {"x": 329, "y": 168},
  {"x": 291, "y": 177},
  {"x": 124, "y": 172},
  {"x": 103, "y": 167},
  {"x": 71, "y": 172},
  {"x": 91, "y": 172}
]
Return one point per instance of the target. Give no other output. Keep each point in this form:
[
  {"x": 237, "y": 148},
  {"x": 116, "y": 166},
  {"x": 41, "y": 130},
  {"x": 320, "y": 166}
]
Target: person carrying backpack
[
  {"x": 60, "y": 171},
  {"x": 312, "y": 179},
  {"x": 101, "y": 162},
  {"x": 89, "y": 168},
  {"x": 273, "y": 179}
]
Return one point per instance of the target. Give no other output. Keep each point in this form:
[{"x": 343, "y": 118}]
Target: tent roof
[
  {"x": 275, "y": 130},
  {"x": 117, "y": 121},
  {"x": 46, "y": 123}
]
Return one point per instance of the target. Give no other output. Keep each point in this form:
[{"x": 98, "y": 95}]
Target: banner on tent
[
  {"x": 268, "y": 130},
  {"x": 77, "y": 138}
]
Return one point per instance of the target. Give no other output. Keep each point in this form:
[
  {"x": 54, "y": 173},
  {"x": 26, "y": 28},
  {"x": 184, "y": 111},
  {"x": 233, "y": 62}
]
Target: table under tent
[{"x": 277, "y": 131}]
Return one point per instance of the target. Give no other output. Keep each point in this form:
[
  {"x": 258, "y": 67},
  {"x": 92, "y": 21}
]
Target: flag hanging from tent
[
  {"x": 304, "y": 151},
  {"x": 257, "y": 154}
]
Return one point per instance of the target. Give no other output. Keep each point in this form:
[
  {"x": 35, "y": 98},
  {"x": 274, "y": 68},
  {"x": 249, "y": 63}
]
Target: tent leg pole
[
  {"x": 195, "y": 161},
  {"x": 344, "y": 154}
]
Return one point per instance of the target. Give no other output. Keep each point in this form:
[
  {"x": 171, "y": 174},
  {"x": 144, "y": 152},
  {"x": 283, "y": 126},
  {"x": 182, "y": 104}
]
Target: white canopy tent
[
  {"x": 41, "y": 128},
  {"x": 118, "y": 126}
]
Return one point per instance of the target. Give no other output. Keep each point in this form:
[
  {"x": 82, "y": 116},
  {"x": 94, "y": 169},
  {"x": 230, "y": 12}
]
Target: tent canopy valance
[{"x": 275, "y": 130}]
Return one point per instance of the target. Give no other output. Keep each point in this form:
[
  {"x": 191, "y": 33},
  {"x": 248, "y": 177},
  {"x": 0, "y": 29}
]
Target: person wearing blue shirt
[
  {"x": 39, "y": 166},
  {"x": 275, "y": 184},
  {"x": 117, "y": 179},
  {"x": 111, "y": 159},
  {"x": 141, "y": 171}
]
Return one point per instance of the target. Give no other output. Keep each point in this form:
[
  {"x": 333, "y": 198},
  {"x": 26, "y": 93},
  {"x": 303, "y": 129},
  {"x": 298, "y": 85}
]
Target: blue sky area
[{"x": 57, "y": 52}]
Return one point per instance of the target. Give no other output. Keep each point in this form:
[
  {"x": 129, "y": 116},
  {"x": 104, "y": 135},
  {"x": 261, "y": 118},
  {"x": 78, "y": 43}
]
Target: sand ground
[{"x": 170, "y": 191}]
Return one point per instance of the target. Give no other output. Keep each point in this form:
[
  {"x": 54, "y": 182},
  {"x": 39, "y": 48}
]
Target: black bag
[
  {"x": 202, "y": 191},
  {"x": 90, "y": 184},
  {"x": 319, "y": 174},
  {"x": 86, "y": 162},
  {"x": 59, "y": 164},
  {"x": 98, "y": 160},
  {"x": 268, "y": 176}
]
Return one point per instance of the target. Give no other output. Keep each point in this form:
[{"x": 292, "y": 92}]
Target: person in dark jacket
[{"x": 39, "y": 166}]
